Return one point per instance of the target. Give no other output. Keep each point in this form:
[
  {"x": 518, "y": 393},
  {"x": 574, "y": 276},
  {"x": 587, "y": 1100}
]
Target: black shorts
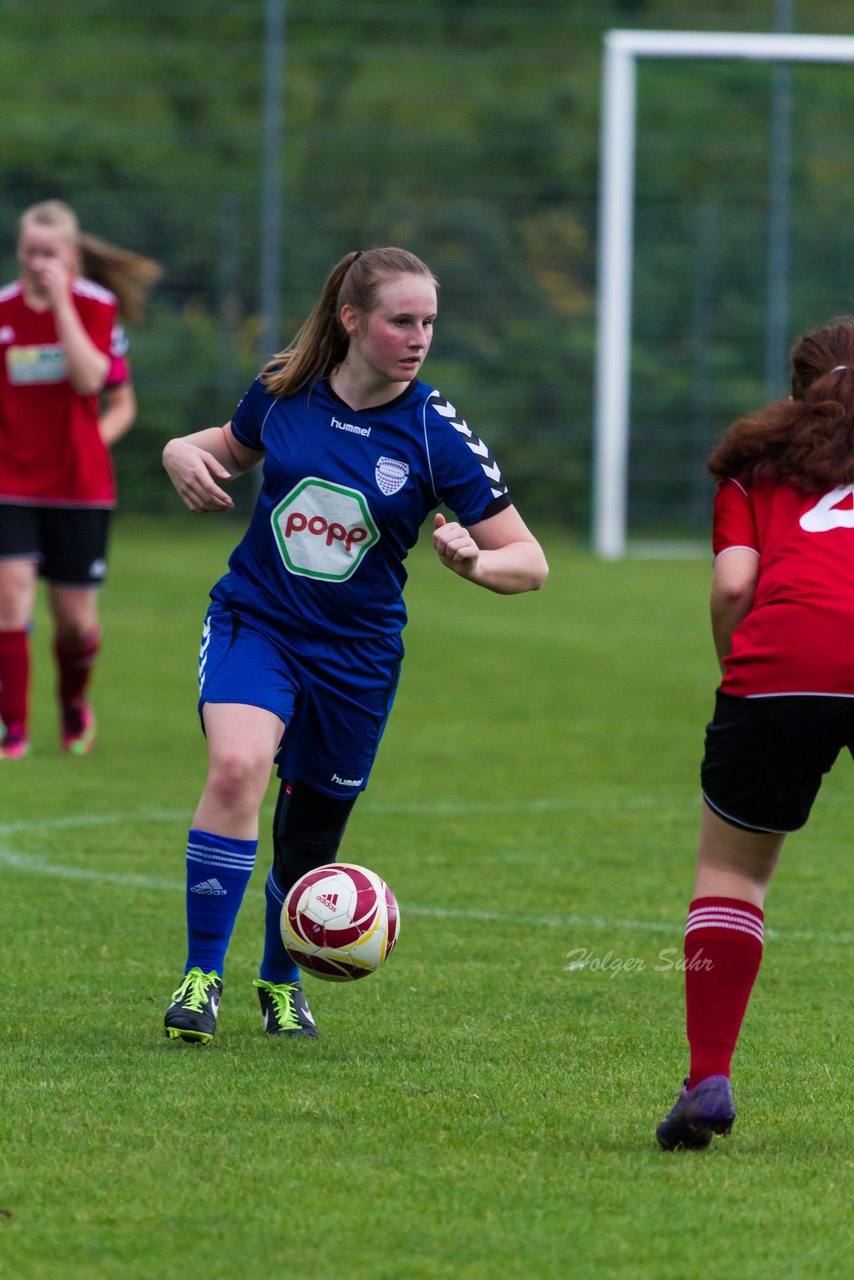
[
  {"x": 765, "y": 757},
  {"x": 69, "y": 544}
]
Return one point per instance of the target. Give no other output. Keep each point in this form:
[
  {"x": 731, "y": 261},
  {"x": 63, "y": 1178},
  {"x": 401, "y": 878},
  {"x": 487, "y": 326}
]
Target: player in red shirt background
[
  {"x": 61, "y": 346},
  {"x": 782, "y": 610}
]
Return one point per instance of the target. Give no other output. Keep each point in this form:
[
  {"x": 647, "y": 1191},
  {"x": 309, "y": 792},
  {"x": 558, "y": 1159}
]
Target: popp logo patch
[{"x": 323, "y": 530}]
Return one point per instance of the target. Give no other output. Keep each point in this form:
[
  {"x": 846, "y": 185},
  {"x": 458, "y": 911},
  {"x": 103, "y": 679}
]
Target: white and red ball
[{"x": 340, "y": 922}]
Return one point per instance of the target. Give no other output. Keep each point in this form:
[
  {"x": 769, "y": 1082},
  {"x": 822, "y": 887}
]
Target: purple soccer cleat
[{"x": 699, "y": 1113}]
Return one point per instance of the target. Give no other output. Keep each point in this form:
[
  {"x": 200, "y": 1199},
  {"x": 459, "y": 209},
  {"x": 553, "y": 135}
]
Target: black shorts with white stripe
[{"x": 765, "y": 757}]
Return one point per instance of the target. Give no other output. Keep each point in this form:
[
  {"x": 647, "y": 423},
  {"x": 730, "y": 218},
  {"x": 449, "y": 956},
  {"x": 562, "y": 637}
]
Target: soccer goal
[{"x": 617, "y": 231}]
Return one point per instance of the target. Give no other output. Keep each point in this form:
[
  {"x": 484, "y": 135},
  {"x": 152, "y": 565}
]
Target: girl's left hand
[{"x": 455, "y": 546}]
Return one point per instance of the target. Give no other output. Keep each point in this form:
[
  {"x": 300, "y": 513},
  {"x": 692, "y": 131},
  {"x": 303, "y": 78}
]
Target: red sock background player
[
  {"x": 60, "y": 346},
  {"x": 782, "y": 611}
]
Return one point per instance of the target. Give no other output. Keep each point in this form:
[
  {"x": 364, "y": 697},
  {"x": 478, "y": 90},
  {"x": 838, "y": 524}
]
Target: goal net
[{"x": 725, "y": 214}]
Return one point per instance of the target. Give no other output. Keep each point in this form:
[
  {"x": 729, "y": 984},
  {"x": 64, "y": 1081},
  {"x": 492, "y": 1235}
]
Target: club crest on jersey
[
  {"x": 323, "y": 530},
  {"x": 391, "y": 475}
]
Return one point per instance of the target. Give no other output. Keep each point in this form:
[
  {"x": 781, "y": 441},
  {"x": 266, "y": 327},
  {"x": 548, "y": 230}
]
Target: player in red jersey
[
  {"x": 782, "y": 609},
  {"x": 60, "y": 344}
]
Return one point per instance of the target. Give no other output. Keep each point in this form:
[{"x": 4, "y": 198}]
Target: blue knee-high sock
[
  {"x": 218, "y": 871},
  {"x": 277, "y": 966}
]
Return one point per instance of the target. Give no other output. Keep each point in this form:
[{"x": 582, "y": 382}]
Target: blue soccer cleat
[{"x": 699, "y": 1113}]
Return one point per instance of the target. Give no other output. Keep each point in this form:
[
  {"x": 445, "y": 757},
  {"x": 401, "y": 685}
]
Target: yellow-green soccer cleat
[
  {"x": 285, "y": 1009},
  {"x": 194, "y": 1009}
]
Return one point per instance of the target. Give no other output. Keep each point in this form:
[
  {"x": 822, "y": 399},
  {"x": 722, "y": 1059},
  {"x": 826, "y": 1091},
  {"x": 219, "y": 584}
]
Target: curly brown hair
[{"x": 806, "y": 441}]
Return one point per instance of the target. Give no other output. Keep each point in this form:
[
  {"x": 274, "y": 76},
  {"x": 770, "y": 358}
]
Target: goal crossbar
[{"x": 616, "y": 215}]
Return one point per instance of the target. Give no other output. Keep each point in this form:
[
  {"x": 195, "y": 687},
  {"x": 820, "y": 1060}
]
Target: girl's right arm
[
  {"x": 196, "y": 462},
  {"x": 733, "y": 586}
]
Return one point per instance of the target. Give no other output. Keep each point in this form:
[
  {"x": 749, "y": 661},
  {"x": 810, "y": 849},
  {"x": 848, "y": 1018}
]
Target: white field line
[
  {"x": 443, "y": 808},
  {"x": 34, "y": 865}
]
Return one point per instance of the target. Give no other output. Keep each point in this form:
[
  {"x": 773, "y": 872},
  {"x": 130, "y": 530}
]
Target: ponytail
[
  {"x": 128, "y": 275},
  {"x": 320, "y": 343}
]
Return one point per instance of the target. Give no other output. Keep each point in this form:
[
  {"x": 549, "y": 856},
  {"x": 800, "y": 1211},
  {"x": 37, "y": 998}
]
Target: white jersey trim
[
  {"x": 89, "y": 289},
  {"x": 427, "y": 447},
  {"x": 737, "y": 546},
  {"x": 263, "y": 425}
]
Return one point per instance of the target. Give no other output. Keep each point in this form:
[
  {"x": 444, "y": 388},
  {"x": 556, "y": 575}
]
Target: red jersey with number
[
  {"x": 799, "y": 634},
  {"x": 50, "y": 451}
]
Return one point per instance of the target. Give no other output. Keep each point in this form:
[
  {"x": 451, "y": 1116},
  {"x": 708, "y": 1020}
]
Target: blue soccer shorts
[{"x": 333, "y": 696}]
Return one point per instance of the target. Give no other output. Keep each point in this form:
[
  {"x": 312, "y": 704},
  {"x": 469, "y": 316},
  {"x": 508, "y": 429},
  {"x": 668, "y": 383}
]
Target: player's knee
[
  {"x": 15, "y": 603},
  {"x": 75, "y": 633},
  {"x": 236, "y": 778}
]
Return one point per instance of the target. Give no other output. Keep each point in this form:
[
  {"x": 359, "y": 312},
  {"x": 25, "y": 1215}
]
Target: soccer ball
[{"x": 340, "y": 922}]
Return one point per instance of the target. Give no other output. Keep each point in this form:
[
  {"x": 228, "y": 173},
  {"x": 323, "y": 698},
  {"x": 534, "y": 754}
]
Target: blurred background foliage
[{"x": 467, "y": 131}]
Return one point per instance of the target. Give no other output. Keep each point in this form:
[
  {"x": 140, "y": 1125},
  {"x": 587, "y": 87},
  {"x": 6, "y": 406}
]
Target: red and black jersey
[
  {"x": 50, "y": 451},
  {"x": 798, "y": 637}
]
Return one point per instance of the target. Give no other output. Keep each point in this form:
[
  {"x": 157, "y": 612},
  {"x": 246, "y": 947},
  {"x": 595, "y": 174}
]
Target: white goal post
[{"x": 616, "y": 216}]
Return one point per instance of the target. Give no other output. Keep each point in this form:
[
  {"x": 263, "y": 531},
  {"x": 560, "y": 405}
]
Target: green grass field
[{"x": 484, "y": 1107}]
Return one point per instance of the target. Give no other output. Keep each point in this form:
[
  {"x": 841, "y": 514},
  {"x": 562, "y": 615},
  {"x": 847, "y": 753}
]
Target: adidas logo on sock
[{"x": 211, "y": 887}]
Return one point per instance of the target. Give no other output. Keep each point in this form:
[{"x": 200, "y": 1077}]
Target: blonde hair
[
  {"x": 128, "y": 275},
  {"x": 53, "y": 213},
  {"x": 322, "y": 341}
]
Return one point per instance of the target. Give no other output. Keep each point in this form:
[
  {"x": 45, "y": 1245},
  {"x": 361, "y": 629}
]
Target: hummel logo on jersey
[
  {"x": 349, "y": 426},
  {"x": 212, "y": 888},
  {"x": 328, "y": 900}
]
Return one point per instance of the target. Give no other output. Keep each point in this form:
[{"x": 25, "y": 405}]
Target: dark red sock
[
  {"x": 74, "y": 664},
  {"x": 723, "y": 951},
  {"x": 14, "y": 680}
]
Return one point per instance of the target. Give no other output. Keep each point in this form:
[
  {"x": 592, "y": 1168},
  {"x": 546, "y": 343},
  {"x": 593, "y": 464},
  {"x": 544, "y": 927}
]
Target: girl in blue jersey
[{"x": 301, "y": 647}]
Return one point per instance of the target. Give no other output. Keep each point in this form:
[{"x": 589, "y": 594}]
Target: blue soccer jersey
[{"x": 343, "y": 496}]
